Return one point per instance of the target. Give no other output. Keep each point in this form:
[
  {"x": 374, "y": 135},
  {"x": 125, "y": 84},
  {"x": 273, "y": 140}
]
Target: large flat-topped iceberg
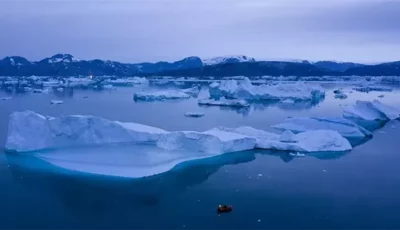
[
  {"x": 308, "y": 141},
  {"x": 345, "y": 127},
  {"x": 29, "y": 131},
  {"x": 371, "y": 111},
  {"x": 160, "y": 95},
  {"x": 243, "y": 89}
]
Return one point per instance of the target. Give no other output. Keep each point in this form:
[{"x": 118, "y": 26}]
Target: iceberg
[
  {"x": 194, "y": 114},
  {"x": 29, "y": 131},
  {"x": 6, "y": 98},
  {"x": 56, "y": 102},
  {"x": 223, "y": 102},
  {"x": 128, "y": 81},
  {"x": 345, "y": 127},
  {"x": 194, "y": 91},
  {"x": 46, "y": 90},
  {"x": 243, "y": 89},
  {"x": 160, "y": 95},
  {"x": 367, "y": 89},
  {"x": 339, "y": 94},
  {"x": 371, "y": 111}
]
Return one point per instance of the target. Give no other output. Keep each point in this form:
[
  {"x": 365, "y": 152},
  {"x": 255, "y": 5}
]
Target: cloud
[{"x": 152, "y": 30}]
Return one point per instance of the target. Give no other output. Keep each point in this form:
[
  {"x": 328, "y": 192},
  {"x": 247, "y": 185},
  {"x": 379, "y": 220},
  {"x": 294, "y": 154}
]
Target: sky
[{"x": 365, "y": 31}]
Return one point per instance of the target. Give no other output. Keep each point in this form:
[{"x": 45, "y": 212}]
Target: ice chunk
[
  {"x": 29, "y": 131},
  {"x": 243, "y": 89},
  {"x": 6, "y": 98},
  {"x": 308, "y": 141},
  {"x": 340, "y": 94},
  {"x": 371, "y": 111},
  {"x": 345, "y": 127},
  {"x": 367, "y": 89},
  {"x": 56, "y": 102},
  {"x": 194, "y": 91},
  {"x": 224, "y": 102},
  {"x": 46, "y": 90},
  {"x": 194, "y": 114},
  {"x": 160, "y": 95},
  {"x": 287, "y": 136}
]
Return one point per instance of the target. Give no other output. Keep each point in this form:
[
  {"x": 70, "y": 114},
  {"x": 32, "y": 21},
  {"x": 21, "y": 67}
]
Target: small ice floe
[
  {"x": 259, "y": 175},
  {"x": 383, "y": 132},
  {"x": 60, "y": 89},
  {"x": 381, "y": 95},
  {"x": 6, "y": 98},
  {"x": 56, "y": 102},
  {"x": 297, "y": 154},
  {"x": 41, "y": 91},
  {"x": 339, "y": 94},
  {"x": 371, "y": 111},
  {"x": 194, "y": 114}
]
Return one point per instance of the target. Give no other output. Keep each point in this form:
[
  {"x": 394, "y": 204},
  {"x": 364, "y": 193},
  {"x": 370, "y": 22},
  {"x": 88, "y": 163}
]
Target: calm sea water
[{"x": 267, "y": 189}]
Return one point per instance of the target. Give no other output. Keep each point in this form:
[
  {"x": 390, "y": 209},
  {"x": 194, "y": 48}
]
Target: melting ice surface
[{"x": 121, "y": 160}]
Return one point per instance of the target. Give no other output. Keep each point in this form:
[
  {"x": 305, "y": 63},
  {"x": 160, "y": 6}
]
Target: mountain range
[{"x": 68, "y": 65}]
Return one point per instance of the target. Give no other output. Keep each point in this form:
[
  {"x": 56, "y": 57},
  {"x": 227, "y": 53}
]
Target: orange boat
[{"x": 224, "y": 208}]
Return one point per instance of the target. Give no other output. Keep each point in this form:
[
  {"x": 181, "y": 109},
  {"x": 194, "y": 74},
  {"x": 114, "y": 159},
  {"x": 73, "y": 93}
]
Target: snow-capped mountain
[
  {"x": 15, "y": 61},
  {"x": 227, "y": 59},
  {"x": 59, "y": 58}
]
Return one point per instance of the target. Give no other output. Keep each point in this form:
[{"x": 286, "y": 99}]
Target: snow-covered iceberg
[
  {"x": 223, "y": 102},
  {"x": 243, "y": 89},
  {"x": 345, "y": 127},
  {"x": 160, "y": 95},
  {"x": 29, "y": 131},
  {"x": 371, "y": 111}
]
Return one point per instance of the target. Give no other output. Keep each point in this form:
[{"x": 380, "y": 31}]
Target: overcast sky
[{"x": 153, "y": 30}]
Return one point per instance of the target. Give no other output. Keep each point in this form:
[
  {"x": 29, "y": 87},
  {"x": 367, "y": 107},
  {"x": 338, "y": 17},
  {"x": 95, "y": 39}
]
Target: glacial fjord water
[{"x": 357, "y": 189}]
